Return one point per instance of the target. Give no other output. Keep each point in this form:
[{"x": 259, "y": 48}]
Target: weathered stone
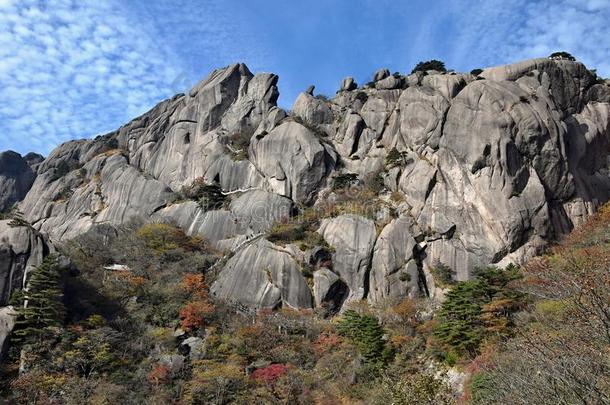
[
  {"x": 394, "y": 270},
  {"x": 293, "y": 160},
  {"x": 348, "y": 84},
  {"x": 262, "y": 275},
  {"x": 329, "y": 290},
  {"x": 381, "y": 74},
  {"x": 353, "y": 238},
  {"x": 389, "y": 83},
  {"x": 312, "y": 110}
]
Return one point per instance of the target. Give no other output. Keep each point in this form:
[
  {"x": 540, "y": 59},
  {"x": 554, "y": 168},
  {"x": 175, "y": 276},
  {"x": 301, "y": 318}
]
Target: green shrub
[
  {"x": 430, "y": 65},
  {"x": 476, "y": 308},
  {"x": 45, "y": 307},
  {"x": 476, "y": 72},
  {"x": 209, "y": 196},
  {"x": 421, "y": 389},
  {"x": 395, "y": 158},
  {"x": 240, "y": 142},
  {"x": 344, "y": 180},
  {"x": 300, "y": 233}
]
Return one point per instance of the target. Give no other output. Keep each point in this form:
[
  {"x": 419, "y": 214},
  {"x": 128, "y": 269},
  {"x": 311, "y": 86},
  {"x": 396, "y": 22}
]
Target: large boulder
[
  {"x": 395, "y": 264},
  {"x": 293, "y": 160},
  {"x": 21, "y": 250},
  {"x": 352, "y": 237},
  {"x": 263, "y": 275}
]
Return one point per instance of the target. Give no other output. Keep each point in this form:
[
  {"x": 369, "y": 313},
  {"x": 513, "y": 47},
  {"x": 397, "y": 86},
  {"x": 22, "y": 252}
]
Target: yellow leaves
[
  {"x": 95, "y": 321},
  {"x": 213, "y": 380},
  {"x": 160, "y": 237},
  {"x": 554, "y": 308}
]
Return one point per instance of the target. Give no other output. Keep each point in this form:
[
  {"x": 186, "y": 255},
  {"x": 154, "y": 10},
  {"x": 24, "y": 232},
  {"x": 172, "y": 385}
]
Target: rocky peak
[{"x": 402, "y": 174}]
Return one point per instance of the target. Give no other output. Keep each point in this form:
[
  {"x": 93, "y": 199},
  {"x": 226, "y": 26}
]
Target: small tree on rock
[
  {"x": 430, "y": 65},
  {"x": 40, "y": 305}
]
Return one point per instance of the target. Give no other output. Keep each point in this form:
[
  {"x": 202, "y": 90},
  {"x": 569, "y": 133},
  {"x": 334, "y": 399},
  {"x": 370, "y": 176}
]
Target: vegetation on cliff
[{"x": 140, "y": 325}]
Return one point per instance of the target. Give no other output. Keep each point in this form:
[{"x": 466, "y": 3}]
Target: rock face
[
  {"x": 21, "y": 250},
  {"x": 16, "y": 178},
  {"x": 352, "y": 237},
  {"x": 263, "y": 275},
  {"x": 452, "y": 168}
]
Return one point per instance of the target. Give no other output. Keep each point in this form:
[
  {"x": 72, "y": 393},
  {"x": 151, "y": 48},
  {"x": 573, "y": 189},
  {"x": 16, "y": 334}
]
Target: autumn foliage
[
  {"x": 159, "y": 375},
  {"x": 194, "y": 313},
  {"x": 270, "y": 374}
]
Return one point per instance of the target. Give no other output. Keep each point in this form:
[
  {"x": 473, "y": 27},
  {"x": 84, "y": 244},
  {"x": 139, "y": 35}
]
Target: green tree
[
  {"x": 476, "y": 308},
  {"x": 562, "y": 55},
  {"x": 430, "y": 65},
  {"x": 40, "y": 305},
  {"x": 367, "y": 334}
]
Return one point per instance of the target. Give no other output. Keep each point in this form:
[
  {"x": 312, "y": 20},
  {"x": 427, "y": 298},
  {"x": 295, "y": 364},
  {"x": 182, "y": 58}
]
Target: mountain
[
  {"x": 400, "y": 175},
  {"x": 399, "y": 188}
]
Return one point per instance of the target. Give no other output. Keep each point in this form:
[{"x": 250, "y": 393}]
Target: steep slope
[{"x": 401, "y": 174}]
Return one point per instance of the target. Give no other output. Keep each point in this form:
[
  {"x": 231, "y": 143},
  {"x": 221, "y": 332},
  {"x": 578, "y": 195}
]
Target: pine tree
[
  {"x": 366, "y": 333},
  {"x": 475, "y": 308},
  {"x": 40, "y": 305}
]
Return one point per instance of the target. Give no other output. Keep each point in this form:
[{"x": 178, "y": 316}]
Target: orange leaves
[
  {"x": 134, "y": 281},
  {"x": 159, "y": 375},
  {"x": 195, "y": 284},
  {"x": 193, "y": 315}
]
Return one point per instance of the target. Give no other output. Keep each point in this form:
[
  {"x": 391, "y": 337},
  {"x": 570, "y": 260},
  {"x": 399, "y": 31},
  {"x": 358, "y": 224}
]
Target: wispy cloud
[
  {"x": 71, "y": 69},
  {"x": 497, "y": 31}
]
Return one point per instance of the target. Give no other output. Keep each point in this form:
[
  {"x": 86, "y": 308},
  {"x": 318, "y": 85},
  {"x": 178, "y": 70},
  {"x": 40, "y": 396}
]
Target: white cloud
[
  {"x": 497, "y": 31},
  {"x": 72, "y": 69}
]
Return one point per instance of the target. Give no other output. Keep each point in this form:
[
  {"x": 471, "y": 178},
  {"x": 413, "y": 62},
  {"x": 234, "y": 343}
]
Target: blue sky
[{"x": 74, "y": 69}]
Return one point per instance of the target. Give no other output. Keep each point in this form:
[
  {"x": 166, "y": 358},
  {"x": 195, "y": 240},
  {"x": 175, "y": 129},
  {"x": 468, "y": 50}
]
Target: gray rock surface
[
  {"x": 348, "y": 84},
  {"x": 7, "y": 323},
  {"x": 16, "y": 178},
  {"x": 263, "y": 275},
  {"x": 329, "y": 290},
  {"x": 381, "y": 74},
  {"x": 352, "y": 237},
  {"x": 293, "y": 160},
  {"x": 21, "y": 250},
  {"x": 394, "y": 270}
]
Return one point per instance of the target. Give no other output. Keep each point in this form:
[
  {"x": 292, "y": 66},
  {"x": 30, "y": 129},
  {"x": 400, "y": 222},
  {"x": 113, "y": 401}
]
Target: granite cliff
[{"x": 401, "y": 174}]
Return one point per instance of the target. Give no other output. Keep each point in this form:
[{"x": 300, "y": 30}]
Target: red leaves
[
  {"x": 270, "y": 374},
  {"x": 326, "y": 341},
  {"x": 195, "y": 284}
]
